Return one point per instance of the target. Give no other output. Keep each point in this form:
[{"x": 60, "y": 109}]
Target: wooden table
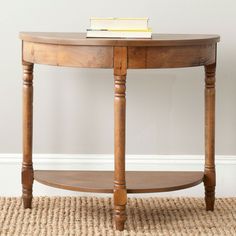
[{"x": 162, "y": 51}]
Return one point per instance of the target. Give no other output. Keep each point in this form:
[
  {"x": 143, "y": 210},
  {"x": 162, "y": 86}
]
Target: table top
[{"x": 156, "y": 40}]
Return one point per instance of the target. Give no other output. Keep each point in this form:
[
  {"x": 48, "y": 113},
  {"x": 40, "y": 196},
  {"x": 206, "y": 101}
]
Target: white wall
[{"x": 74, "y": 107}]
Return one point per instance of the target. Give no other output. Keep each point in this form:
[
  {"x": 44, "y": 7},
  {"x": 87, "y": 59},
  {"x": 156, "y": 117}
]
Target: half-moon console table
[{"x": 162, "y": 51}]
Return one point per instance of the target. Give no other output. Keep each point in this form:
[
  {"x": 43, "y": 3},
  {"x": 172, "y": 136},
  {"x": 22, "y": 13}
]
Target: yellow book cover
[
  {"x": 119, "y": 18},
  {"x": 116, "y": 23}
]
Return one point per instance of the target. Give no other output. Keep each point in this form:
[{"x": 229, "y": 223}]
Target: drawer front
[
  {"x": 171, "y": 57},
  {"x": 68, "y": 55}
]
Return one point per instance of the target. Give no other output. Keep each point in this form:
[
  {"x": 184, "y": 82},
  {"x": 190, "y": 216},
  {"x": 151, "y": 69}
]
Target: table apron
[
  {"x": 171, "y": 56},
  {"x": 68, "y": 55},
  {"x": 102, "y": 56}
]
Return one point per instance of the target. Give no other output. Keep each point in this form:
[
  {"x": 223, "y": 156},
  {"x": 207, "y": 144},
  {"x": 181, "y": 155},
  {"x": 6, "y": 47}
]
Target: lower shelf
[{"x": 102, "y": 181}]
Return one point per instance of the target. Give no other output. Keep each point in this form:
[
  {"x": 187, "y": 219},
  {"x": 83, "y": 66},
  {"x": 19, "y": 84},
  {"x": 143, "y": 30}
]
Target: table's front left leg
[
  {"x": 120, "y": 193},
  {"x": 27, "y": 166}
]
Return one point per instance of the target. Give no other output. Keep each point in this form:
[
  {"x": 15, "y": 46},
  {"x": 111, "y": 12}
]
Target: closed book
[
  {"x": 118, "y": 23},
  {"x": 121, "y": 29},
  {"x": 118, "y": 34}
]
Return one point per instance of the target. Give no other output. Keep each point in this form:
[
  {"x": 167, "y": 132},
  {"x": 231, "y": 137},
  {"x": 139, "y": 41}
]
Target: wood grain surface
[
  {"x": 102, "y": 181},
  {"x": 156, "y": 40}
]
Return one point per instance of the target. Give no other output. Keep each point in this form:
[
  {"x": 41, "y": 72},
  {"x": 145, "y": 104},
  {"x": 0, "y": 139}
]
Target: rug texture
[{"x": 93, "y": 216}]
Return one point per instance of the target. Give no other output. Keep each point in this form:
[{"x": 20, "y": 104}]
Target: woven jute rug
[{"x": 93, "y": 216}]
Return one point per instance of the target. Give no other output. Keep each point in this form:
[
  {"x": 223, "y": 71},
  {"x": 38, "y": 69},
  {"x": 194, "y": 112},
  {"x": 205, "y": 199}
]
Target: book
[
  {"x": 122, "y": 30},
  {"x": 118, "y": 23},
  {"x": 119, "y": 34},
  {"x": 113, "y": 27}
]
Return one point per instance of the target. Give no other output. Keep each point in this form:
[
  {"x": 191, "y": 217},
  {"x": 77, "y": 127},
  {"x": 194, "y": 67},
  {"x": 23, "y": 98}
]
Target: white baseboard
[{"x": 10, "y": 165}]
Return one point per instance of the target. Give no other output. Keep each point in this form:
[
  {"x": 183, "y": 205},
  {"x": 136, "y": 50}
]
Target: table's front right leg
[
  {"x": 27, "y": 166},
  {"x": 120, "y": 193}
]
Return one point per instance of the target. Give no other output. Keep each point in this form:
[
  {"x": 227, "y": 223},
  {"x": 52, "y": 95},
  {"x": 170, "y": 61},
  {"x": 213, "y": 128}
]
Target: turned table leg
[
  {"x": 27, "y": 166},
  {"x": 120, "y": 193},
  {"x": 209, "y": 172}
]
